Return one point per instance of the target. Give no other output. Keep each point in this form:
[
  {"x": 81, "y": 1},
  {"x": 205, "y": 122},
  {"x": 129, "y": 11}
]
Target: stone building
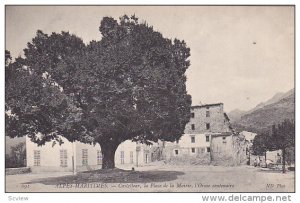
[
  {"x": 208, "y": 138},
  {"x": 78, "y": 156}
]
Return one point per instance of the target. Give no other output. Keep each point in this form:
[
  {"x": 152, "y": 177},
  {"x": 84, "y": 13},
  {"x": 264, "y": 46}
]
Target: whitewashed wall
[{"x": 50, "y": 155}]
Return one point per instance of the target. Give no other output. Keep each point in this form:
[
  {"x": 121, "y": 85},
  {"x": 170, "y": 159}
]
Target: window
[
  {"x": 63, "y": 158},
  {"x": 99, "y": 157},
  {"x": 177, "y": 141},
  {"x": 122, "y": 157},
  {"x": 224, "y": 139},
  {"x": 37, "y": 157},
  {"x": 207, "y": 107},
  {"x": 193, "y": 126},
  {"x": 207, "y": 138},
  {"x": 193, "y": 150},
  {"x": 193, "y": 139},
  {"x": 146, "y": 158},
  {"x": 207, "y": 114},
  {"x": 84, "y": 157},
  {"x": 207, "y": 149},
  {"x": 176, "y": 151},
  {"x": 207, "y": 126},
  {"x": 131, "y": 157},
  {"x": 192, "y": 115},
  {"x": 202, "y": 150}
]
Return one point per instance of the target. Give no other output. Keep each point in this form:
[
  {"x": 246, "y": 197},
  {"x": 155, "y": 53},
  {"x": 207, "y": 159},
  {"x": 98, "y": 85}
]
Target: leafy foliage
[
  {"x": 17, "y": 156},
  {"x": 261, "y": 144},
  {"x": 129, "y": 85},
  {"x": 282, "y": 137},
  {"x": 283, "y": 134}
]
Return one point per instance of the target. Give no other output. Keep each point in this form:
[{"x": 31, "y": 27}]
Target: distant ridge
[{"x": 281, "y": 106}]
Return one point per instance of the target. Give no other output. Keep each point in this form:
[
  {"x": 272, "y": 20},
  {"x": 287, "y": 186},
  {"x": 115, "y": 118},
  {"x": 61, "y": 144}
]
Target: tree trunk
[
  {"x": 283, "y": 160},
  {"x": 266, "y": 159},
  {"x": 108, "y": 150}
]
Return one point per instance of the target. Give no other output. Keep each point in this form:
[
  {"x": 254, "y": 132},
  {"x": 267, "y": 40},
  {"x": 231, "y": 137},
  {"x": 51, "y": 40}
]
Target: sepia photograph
[{"x": 149, "y": 98}]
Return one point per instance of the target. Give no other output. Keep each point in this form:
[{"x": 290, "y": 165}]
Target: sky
[{"x": 240, "y": 55}]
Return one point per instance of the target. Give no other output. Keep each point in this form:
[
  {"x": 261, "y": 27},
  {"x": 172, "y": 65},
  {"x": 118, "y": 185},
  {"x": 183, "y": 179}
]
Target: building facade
[
  {"x": 78, "y": 156},
  {"x": 208, "y": 138}
]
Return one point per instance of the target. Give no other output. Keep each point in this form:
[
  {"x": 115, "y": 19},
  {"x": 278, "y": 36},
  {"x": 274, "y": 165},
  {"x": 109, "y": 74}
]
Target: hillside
[
  {"x": 235, "y": 114},
  {"x": 275, "y": 110},
  {"x": 277, "y": 97}
]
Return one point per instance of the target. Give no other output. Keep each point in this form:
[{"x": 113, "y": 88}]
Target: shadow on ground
[
  {"x": 111, "y": 176},
  {"x": 271, "y": 171}
]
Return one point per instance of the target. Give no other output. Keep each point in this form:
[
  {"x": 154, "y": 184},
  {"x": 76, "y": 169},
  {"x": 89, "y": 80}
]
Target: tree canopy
[
  {"x": 129, "y": 85},
  {"x": 261, "y": 144},
  {"x": 281, "y": 137}
]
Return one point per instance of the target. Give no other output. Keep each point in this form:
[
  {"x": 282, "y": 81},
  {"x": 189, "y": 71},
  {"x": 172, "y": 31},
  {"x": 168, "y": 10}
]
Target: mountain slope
[
  {"x": 235, "y": 114},
  {"x": 277, "y": 97},
  {"x": 275, "y": 110}
]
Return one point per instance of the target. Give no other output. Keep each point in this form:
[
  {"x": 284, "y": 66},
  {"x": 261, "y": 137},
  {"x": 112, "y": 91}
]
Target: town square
[{"x": 150, "y": 99}]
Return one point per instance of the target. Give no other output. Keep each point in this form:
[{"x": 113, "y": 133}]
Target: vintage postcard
[{"x": 149, "y": 98}]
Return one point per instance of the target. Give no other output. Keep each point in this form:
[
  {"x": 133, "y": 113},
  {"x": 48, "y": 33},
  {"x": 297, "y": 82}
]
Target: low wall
[
  {"x": 88, "y": 168},
  {"x": 189, "y": 160},
  {"x": 15, "y": 171},
  {"x": 38, "y": 169}
]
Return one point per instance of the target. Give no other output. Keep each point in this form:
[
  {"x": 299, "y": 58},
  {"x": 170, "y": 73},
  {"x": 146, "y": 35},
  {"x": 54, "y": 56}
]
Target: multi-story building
[{"x": 208, "y": 138}]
